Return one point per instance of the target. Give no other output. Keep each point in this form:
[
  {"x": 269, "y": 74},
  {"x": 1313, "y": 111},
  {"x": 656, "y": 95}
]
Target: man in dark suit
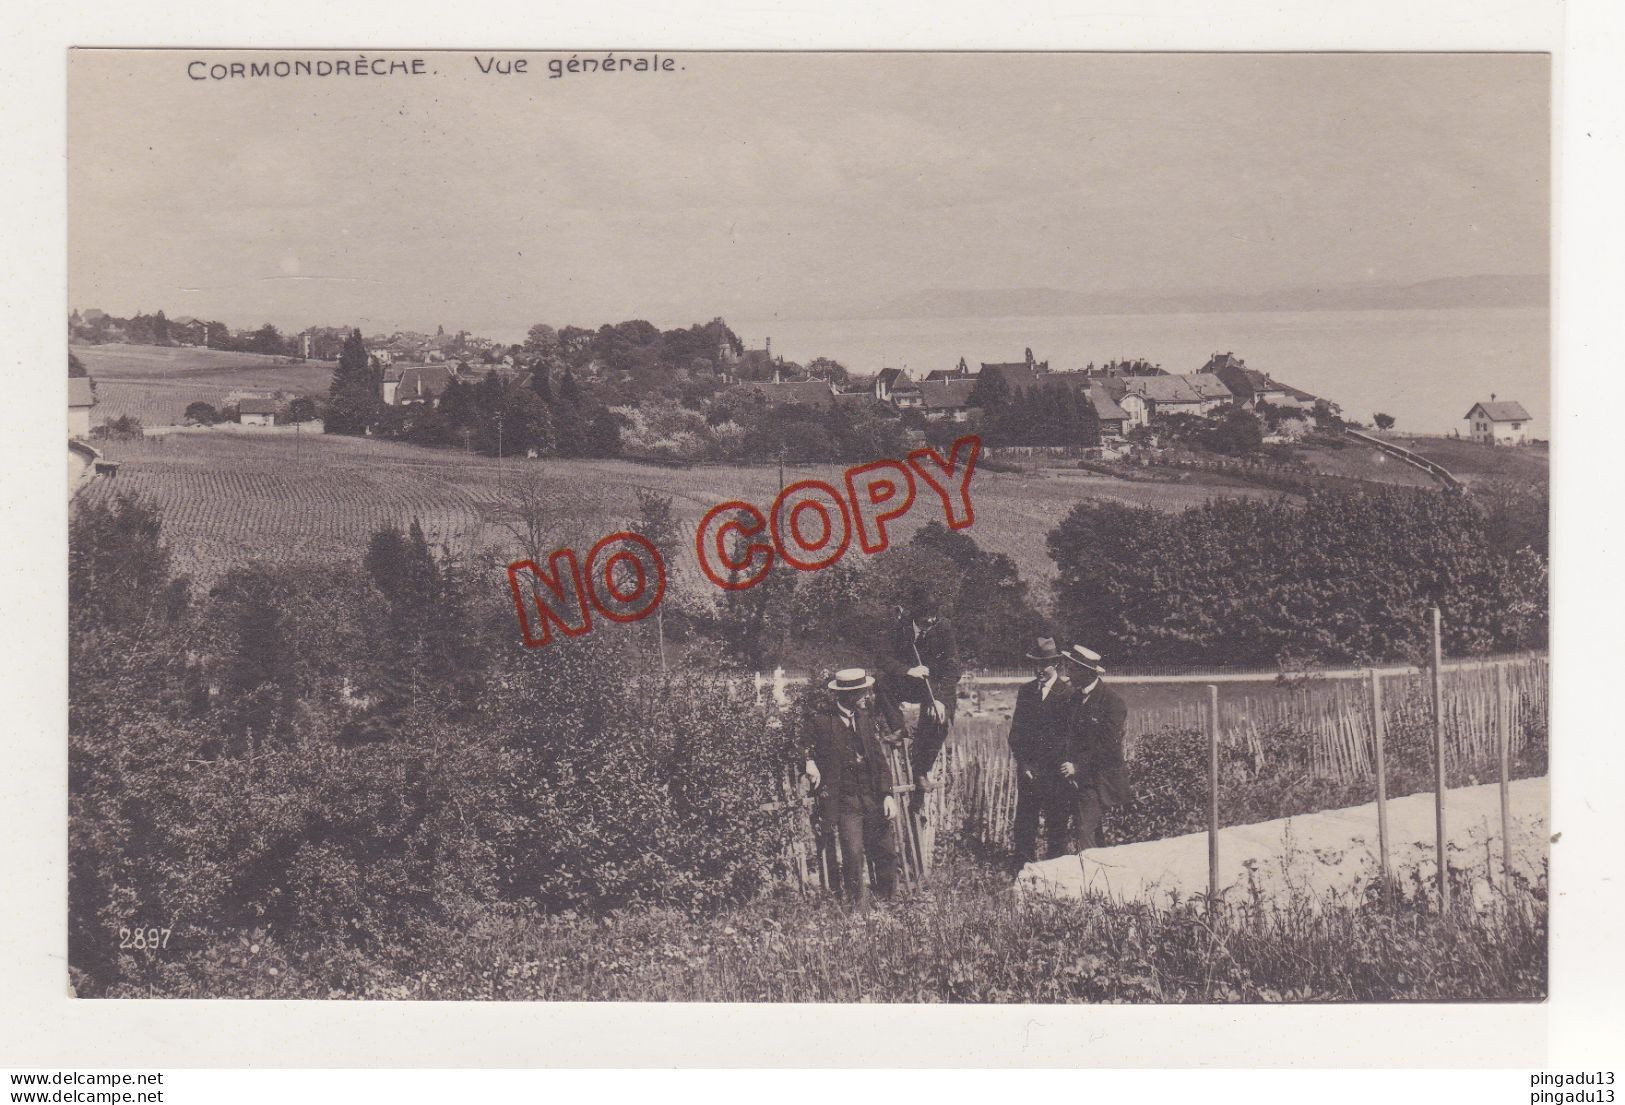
[
  {"x": 1040, "y": 739},
  {"x": 852, "y": 779},
  {"x": 920, "y": 664},
  {"x": 1094, "y": 766}
]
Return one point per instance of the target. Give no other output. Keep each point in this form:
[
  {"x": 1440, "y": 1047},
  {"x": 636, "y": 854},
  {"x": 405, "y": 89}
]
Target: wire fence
[{"x": 1318, "y": 732}]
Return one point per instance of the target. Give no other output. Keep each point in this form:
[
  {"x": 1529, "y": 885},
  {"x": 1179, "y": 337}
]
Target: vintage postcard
[{"x": 808, "y": 527}]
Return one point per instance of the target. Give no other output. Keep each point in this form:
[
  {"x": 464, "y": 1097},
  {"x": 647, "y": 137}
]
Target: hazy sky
[{"x": 752, "y": 184}]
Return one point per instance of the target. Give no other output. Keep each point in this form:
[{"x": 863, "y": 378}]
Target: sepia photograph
[{"x": 808, "y": 527}]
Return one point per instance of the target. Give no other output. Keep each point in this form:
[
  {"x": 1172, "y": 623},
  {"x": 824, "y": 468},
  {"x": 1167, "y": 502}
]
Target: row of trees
[
  {"x": 158, "y": 329},
  {"x": 1344, "y": 577}
]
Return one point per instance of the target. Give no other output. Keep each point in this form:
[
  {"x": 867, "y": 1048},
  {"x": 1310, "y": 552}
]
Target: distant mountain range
[{"x": 1447, "y": 292}]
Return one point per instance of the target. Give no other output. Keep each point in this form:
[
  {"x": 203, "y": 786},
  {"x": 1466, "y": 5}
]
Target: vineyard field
[
  {"x": 156, "y": 384},
  {"x": 231, "y": 497}
]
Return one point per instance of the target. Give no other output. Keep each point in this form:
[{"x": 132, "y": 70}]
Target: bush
[
  {"x": 1344, "y": 578},
  {"x": 662, "y": 794},
  {"x": 381, "y": 847}
]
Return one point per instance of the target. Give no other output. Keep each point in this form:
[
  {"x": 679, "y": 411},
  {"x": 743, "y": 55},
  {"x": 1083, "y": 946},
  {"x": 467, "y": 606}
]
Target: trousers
[
  {"x": 866, "y": 836},
  {"x": 1046, "y": 797},
  {"x": 1088, "y": 810}
]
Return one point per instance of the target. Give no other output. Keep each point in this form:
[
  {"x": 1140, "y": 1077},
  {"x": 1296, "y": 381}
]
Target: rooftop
[{"x": 1504, "y": 410}]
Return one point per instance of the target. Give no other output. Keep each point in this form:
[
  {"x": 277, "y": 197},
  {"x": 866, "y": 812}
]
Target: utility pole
[{"x": 781, "y": 469}]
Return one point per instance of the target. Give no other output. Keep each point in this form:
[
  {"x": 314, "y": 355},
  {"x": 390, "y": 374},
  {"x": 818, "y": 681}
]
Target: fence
[
  {"x": 1324, "y": 727},
  {"x": 1321, "y": 732}
]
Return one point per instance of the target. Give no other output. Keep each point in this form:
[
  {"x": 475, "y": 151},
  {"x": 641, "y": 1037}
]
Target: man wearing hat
[
  {"x": 853, "y": 780},
  {"x": 1040, "y": 739},
  {"x": 920, "y": 664},
  {"x": 1094, "y": 764}
]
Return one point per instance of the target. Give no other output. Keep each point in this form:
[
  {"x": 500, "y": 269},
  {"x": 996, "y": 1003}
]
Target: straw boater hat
[
  {"x": 1086, "y": 658},
  {"x": 851, "y": 679},
  {"x": 1046, "y": 650}
]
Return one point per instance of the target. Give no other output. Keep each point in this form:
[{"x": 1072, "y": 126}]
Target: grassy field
[
  {"x": 968, "y": 938},
  {"x": 1337, "y": 456},
  {"x": 230, "y": 497},
  {"x": 1469, "y": 460},
  {"x": 155, "y": 384}
]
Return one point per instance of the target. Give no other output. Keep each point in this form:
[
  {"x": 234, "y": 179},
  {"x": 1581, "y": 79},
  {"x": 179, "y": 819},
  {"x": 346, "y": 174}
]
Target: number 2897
[{"x": 146, "y": 940}]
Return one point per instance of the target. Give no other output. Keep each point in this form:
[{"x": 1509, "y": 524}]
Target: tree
[
  {"x": 991, "y": 395},
  {"x": 604, "y": 435},
  {"x": 542, "y": 341},
  {"x": 1239, "y": 433},
  {"x": 541, "y": 382},
  {"x": 823, "y": 368},
  {"x": 1383, "y": 421},
  {"x": 302, "y": 408},
  {"x": 75, "y": 367},
  {"x": 265, "y": 340},
  {"x": 569, "y": 390},
  {"x": 202, "y": 413},
  {"x": 355, "y": 399}
]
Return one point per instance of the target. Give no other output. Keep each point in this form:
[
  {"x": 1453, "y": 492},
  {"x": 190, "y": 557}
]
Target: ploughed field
[
  {"x": 157, "y": 383},
  {"x": 231, "y": 497}
]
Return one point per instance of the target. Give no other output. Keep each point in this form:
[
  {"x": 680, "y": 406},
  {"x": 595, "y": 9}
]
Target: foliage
[
  {"x": 123, "y": 428},
  {"x": 355, "y": 402},
  {"x": 1383, "y": 421},
  {"x": 202, "y": 413},
  {"x": 1345, "y": 577},
  {"x": 301, "y": 408},
  {"x": 659, "y": 793},
  {"x": 969, "y": 940},
  {"x": 1053, "y": 416}
]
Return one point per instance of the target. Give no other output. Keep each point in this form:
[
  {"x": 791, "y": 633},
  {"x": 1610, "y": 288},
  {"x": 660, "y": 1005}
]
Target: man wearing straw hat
[
  {"x": 849, "y": 770},
  {"x": 1040, "y": 739},
  {"x": 1093, "y": 768}
]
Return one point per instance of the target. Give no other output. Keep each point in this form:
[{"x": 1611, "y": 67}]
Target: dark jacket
[
  {"x": 852, "y": 762},
  {"x": 1097, "y": 742},
  {"x": 938, "y": 650},
  {"x": 1041, "y": 728}
]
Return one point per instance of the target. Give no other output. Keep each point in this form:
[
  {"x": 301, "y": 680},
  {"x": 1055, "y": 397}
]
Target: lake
[{"x": 1424, "y": 367}]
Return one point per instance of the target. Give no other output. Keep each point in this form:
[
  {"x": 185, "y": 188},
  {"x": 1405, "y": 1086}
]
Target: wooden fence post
[
  {"x": 1378, "y": 729},
  {"x": 1212, "y": 794},
  {"x": 1503, "y": 723},
  {"x": 1441, "y": 848}
]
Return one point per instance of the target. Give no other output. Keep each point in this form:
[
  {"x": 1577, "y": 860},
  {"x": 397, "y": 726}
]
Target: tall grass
[{"x": 968, "y": 939}]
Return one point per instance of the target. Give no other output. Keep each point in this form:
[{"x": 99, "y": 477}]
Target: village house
[
  {"x": 946, "y": 400},
  {"x": 1115, "y": 420},
  {"x": 961, "y": 371},
  {"x": 409, "y": 384},
  {"x": 1165, "y": 395},
  {"x": 80, "y": 399},
  {"x": 256, "y": 412},
  {"x": 1136, "y": 409},
  {"x": 885, "y": 381},
  {"x": 1019, "y": 376},
  {"x": 1210, "y": 389},
  {"x": 1498, "y": 422},
  {"x": 806, "y": 393},
  {"x": 1248, "y": 386}
]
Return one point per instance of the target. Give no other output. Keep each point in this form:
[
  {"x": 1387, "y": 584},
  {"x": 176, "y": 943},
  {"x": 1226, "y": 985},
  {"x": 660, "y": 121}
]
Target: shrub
[
  {"x": 1344, "y": 578},
  {"x": 664, "y": 793}
]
